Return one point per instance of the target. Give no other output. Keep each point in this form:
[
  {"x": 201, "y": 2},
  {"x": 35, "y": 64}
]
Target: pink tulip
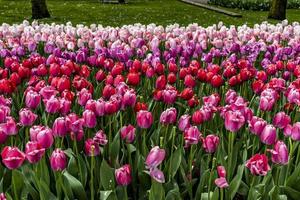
[
  {"x": 129, "y": 98},
  {"x": 287, "y": 131},
  {"x": 34, "y": 130},
  {"x": 123, "y": 175},
  {"x": 59, "y": 127},
  {"x": 281, "y": 120},
  {"x": 34, "y": 152},
  {"x": 65, "y": 106},
  {"x": 157, "y": 175},
  {"x": 100, "y": 138},
  {"x": 74, "y": 123},
  {"x": 221, "y": 182},
  {"x": 155, "y": 157},
  {"x": 169, "y": 96},
  {"x": 89, "y": 118},
  {"x": 144, "y": 119},
  {"x": 2, "y": 196},
  {"x": 52, "y": 105},
  {"x": 184, "y": 122},
  {"x": 3, "y": 136},
  {"x": 91, "y": 148},
  {"x": 192, "y": 135},
  {"x": 280, "y": 154},
  {"x": 128, "y": 133},
  {"x": 210, "y": 143},
  {"x": 234, "y": 120},
  {"x": 267, "y": 99},
  {"x": 83, "y": 96},
  {"x": 221, "y": 171},
  {"x": 258, "y": 165},
  {"x": 32, "y": 99},
  {"x": 48, "y": 91},
  {"x": 10, "y": 126},
  {"x": 27, "y": 117},
  {"x": 12, "y": 157},
  {"x": 100, "y": 107},
  {"x": 58, "y": 160},
  {"x": 168, "y": 116},
  {"x": 295, "y": 131},
  {"x": 268, "y": 135},
  {"x": 45, "y": 138},
  {"x": 230, "y": 96},
  {"x": 257, "y": 125}
]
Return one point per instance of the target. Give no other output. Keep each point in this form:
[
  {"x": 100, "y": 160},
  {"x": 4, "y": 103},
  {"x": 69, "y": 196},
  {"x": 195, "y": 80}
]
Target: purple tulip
[
  {"x": 295, "y": 131},
  {"x": 100, "y": 138},
  {"x": 257, "y": 125},
  {"x": 129, "y": 99},
  {"x": 157, "y": 175},
  {"x": 83, "y": 96},
  {"x": 234, "y": 120},
  {"x": 184, "y": 122},
  {"x": 155, "y": 157},
  {"x": 191, "y": 135}
]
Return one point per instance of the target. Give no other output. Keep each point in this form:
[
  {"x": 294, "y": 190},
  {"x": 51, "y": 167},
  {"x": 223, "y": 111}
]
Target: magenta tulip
[
  {"x": 128, "y": 133},
  {"x": 268, "y": 135},
  {"x": 3, "y": 136},
  {"x": 157, "y": 175},
  {"x": 221, "y": 182},
  {"x": 83, "y": 96},
  {"x": 100, "y": 138},
  {"x": 45, "y": 138},
  {"x": 295, "y": 131},
  {"x": 89, "y": 118},
  {"x": 144, "y": 119},
  {"x": 52, "y": 105},
  {"x": 34, "y": 152},
  {"x": 257, "y": 125},
  {"x": 123, "y": 175},
  {"x": 234, "y": 120},
  {"x": 12, "y": 157},
  {"x": 27, "y": 117},
  {"x": 192, "y": 135},
  {"x": 58, "y": 160},
  {"x": 258, "y": 165},
  {"x": 155, "y": 157},
  {"x": 210, "y": 143},
  {"x": 59, "y": 127},
  {"x": 168, "y": 116},
  {"x": 10, "y": 126},
  {"x": 184, "y": 122},
  {"x": 280, "y": 154},
  {"x": 32, "y": 99},
  {"x": 91, "y": 148},
  {"x": 281, "y": 120}
]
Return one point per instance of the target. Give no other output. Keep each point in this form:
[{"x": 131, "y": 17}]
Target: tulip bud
[
  {"x": 128, "y": 133},
  {"x": 268, "y": 135},
  {"x": 58, "y": 160},
  {"x": 123, "y": 175},
  {"x": 280, "y": 154},
  {"x": 210, "y": 143},
  {"x": 144, "y": 119},
  {"x": 155, "y": 157},
  {"x": 168, "y": 116}
]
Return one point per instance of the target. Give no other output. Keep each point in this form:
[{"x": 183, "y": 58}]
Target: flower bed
[{"x": 147, "y": 112}]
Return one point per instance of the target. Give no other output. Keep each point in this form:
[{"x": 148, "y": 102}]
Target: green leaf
[
  {"x": 173, "y": 194},
  {"x": 294, "y": 179},
  {"x": 204, "y": 196},
  {"x": 175, "y": 162},
  {"x": 215, "y": 195},
  {"x": 76, "y": 186},
  {"x": 236, "y": 181},
  {"x": 115, "y": 148},
  {"x": 204, "y": 178},
  {"x": 157, "y": 191},
  {"x": 290, "y": 192},
  {"x": 17, "y": 183},
  {"x": 107, "y": 195},
  {"x": 107, "y": 177},
  {"x": 45, "y": 191}
]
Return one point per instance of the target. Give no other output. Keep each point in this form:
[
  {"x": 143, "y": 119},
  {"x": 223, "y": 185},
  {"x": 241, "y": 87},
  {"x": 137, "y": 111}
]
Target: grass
[{"x": 162, "y": 12}]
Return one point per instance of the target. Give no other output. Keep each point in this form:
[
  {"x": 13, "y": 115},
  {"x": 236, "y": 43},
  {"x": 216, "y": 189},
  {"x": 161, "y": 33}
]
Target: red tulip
[{"x": 258, "y": 165}]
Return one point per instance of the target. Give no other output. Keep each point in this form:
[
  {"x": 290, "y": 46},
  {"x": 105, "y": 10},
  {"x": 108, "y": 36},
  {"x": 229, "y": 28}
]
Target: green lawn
[{"x": 161, "y": 12}]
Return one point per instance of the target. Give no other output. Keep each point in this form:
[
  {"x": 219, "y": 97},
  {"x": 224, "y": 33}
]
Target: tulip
[
  {"x": 210, "y": 143},
  {"x": 3, "y": 136},
  {"x": 221, "y": 171},
  {"x": 83, "y": 96},
  {"x": 169, "y": 96},
  {"x": 52, "y": 105},
  {"x": 32, "y": 99},
  {"x": 295, "y": 131},
  {"x": 197, "y": 117},
  {"x": 192, "y": 135},
  {"x": 34, "y": 152},
  {"x": 48, "y": 91},
  {"x": 234, "y": 120},
  {"x": 91, "y": 148},
  {"x": 27, "y": 117},
  {"x": 123, "y": 175},
  {"x": 129, "y": 98},
  {"x": 268, "y": 135},
  {"x": 89, "y": 118},
  {"x": 100, "y": 138},
  {"x": 280, "y": 154},
  {"x": 257, "y": 125},
  {"x": 58, "y": 160},
  {"x": 59, "y": 127},
  {"x": 65, "y": 106},
  {"x": 230, "y": 96},
  {"x": 258, "y": 165},
  {"x": 12, "y": 157},
  {"x": 10, "y": 126},
  {"x": 45, "y": 138},
  {"x": 155, "y": 157},
  {"x": 281, "y": 120},
  {"x": 168, "y": 116},
  {"x": 2, "y": 196},
  {"x": 184, "y": 122},
  {"x": 267, "y": 99},
  {"x": 144, "y": 119},
  {"x": 133, "y": 79},
  {"x": 100, "y": 107},
  {"x": 157, "y": 175},
  {"x": 221, "y": 182},
  {"x": 128, "y": 133}
]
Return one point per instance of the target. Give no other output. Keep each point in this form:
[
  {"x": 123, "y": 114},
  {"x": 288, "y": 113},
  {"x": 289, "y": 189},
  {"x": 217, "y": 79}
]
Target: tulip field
[{"x": 150, "y": 112}]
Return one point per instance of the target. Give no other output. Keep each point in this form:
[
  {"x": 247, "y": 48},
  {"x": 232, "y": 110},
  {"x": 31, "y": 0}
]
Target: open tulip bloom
[{"x": 149, "y": 112}]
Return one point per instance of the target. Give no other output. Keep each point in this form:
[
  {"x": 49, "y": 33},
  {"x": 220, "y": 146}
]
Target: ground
[{"x": 161, "y": 12}]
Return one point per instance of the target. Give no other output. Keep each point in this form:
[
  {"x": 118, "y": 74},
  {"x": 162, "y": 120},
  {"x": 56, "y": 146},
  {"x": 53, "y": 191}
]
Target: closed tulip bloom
[
  {"x": 48, "y": 91},
  {"x": 34, "y": 130},
  {"x": 52, "y": 105},
  {"x": 184, "y": 122},
  {"x": 168, "y": 116},
  {"x": 258, "y": 165},
  {"x": 83, "y": 96},
  {"x": 123, "y": 175},
  {"x": 169, "y": 96},
  {"x": 221, "y": 171},
  {"x": 210, "y": 143},
  {"x": 100, "y": 107},
  {"x": 27, "y": 117},
  {"x": 32, "y": 99},
  {"x": 221, "y": 182},
  {"x": 230, "y": 96},
  {"x": 295, "y": 131},
  {"x": 74, "y": 123},
  {"x": 2, "y": 196},
  {"x": 197, "y": 117},
  {"x": 267, "y": 99},
  {"x": 287, "y": 131},
  {"x": 65, "y": 106},
  {"x": 10, "y": 126},
  {"x": 257, "y": 125},
  {"x": 59, "y": 127},
  {"x": 268, "y": 135},
  {"x": 234, "y": 120},
  {"x": 281, "y": 120},
  {"x": 128, "y": 133},
  {"x": 58, "y": 160},
  {"x": 89, "y": 118},
  {"x": 3, "y": 136},
  {"x": 12, "y": 157},
  {"x": 192, "y": 135},
  {"x": 45, "y": 138},
  {"x": 157, "y": 175},
  {"x": 280, "y": 154},
  {"x": 100, "y": 138},
  {"x": 144, "y": 119},
  {"x": 155, "y": 157},
  {"x": 34, "y": 152},
  {"x": 293, "y": 96},
  {"x": 129, "y": 98},
  {"x": 91, "y": 148}
]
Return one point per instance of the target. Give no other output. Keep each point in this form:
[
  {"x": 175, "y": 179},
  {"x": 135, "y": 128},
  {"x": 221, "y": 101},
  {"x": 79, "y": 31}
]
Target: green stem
[{"x": 92, "y": 177}]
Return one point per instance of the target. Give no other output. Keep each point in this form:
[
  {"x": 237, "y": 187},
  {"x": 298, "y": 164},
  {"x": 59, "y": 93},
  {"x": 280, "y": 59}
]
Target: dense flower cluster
[{"x": 146, "y": 108}]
